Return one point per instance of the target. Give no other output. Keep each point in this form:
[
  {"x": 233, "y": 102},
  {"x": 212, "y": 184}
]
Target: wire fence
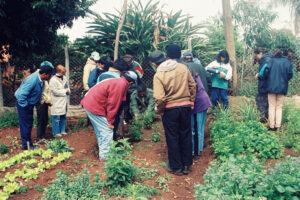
[{"x": 14, "y": 73}]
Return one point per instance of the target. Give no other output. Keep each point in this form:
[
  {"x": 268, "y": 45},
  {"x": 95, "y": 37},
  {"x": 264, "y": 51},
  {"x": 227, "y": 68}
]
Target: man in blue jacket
[{"x": 27, "y": 95}]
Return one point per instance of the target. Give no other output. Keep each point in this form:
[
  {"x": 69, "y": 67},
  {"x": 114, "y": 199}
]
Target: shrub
[
  {"x": 74, "y": 187},
  {"x": 134, "y": 191},
  {"x": 3, "y": 148},
  {"x": 135, "y": 130},
  {"x": 148, "y": 118},
  {"x": 118, "y": 167},
  {"x": 58, "y": 146},
  {"x": 248, "y": 89},
  {"x": 156, "y": 133},
  {"x": 249, "y": 112},
  {"x": 9, "y": 118}
]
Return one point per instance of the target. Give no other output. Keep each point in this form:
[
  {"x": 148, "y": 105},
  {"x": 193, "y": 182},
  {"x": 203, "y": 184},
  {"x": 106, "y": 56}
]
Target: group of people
[
  {"x": 275, "y": 71},
  {"x": 179, "y": 95},
  {"x": 36, "y": 91}
]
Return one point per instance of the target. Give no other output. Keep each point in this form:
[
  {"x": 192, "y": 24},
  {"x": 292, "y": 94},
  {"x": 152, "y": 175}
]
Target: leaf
[{"x": 280, "y": 189}]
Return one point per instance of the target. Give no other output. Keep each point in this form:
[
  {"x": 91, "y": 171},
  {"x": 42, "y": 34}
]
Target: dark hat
[
  {"x": 173, "y": 51},
  {"x": 47, "y": 68},
  {"x": 187, "y": 55},
  {"x": 157, "y": 56},
  {"x": 120, "y": 65}
]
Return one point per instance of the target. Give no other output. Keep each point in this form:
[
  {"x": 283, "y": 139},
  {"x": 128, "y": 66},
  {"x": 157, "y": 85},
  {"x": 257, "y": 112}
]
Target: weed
[
  {"x": 156, "y": 133},
  {"x": 135, "y": 130},
  {"x": 163, "y": 182},
  {"x": 146, "y": 174},
  {"x": 135, "y": 192},
  {"x": 249, "y": 112},
  {"x": 3, "y": 148},
  {"x": 9, "y": 118},
  {"x": 39, "y": 188},
  {"x": 148, "y": 118},
  {"x": 81, "y": 124}
]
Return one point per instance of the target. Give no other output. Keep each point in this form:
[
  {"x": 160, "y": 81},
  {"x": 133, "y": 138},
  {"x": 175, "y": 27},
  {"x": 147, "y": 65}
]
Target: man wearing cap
[
  {"x": 174, "y": 90},
  {"x": 27, "y": 95},
  {"x": 188, "y": 58},
  {"x": 91, "y": 64},
  {"x": 101, "y": 105}
]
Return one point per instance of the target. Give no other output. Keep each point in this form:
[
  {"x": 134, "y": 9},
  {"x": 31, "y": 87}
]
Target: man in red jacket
[{"x": 101, "y": 105}]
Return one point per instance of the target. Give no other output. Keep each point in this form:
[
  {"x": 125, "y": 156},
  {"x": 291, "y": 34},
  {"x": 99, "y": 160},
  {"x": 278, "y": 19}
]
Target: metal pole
[{"x": 67, "y": 65}]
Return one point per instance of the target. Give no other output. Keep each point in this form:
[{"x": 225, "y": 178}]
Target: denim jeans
[
  {"x": 103, "y": 133},
  {"x": 58, "y": 124},
  {"x": 26, "y": 121},
  {"x": 215, "y": 93},
  {"x": 200, "y": 119}
]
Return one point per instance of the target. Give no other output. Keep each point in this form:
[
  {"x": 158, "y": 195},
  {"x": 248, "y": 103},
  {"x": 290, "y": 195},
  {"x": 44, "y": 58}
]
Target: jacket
[
  {"x": 202, "y": 101},
  {"x": 278, "y": 73},
  {"x": 173, "y": 85},
  {"x": 263, "y": 62},
  {"x": 105, "y": 98},
  {"x": 59, "y": 95},
  {"x": 111, "y": 73},
  {"x": 95, "y": 73},
  {"x": 139, "y": 104},
  {"x": 218, "y": 82},
  {"x": 201, "y": 71},
  {"x": 30, "y": 91},
  {"x": 89, "y": 66},
  {"x": 46, "y": 96}
]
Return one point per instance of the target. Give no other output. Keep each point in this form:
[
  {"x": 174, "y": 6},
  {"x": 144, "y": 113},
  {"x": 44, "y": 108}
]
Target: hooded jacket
[
  {"x": 262, "y": 83},
  {"x": 89, "y": 66},
  {"x": 105, "y": 98},
  {"x": 173, "y": 85}
]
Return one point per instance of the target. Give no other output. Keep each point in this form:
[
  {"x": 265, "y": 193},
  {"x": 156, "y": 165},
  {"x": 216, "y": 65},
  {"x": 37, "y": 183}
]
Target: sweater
[
  {"x": 202, "y": 101},
  {"x": 105, "y": 98},
  {"x": 89, "y": 66}
]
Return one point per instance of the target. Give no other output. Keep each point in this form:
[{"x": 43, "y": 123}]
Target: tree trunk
[
  {"x": 297, "y": 22},
  {"x": 1, "y": 92},
  {"x": 124, "y": 9},
  {"x": 229, "y": 37},
  {"x": 67, "y": 65}
]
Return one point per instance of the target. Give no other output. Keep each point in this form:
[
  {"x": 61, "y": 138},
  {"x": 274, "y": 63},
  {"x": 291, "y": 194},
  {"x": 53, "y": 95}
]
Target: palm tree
[{"x": 295, "y": 11}]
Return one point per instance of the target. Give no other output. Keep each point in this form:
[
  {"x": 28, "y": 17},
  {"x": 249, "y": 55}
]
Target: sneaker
[
  {"x": 272, "y": 129},
  {"x": 64, "y": 133},
  {"x": 57, "y": 135},
  {"x": 177, "y": 172}
]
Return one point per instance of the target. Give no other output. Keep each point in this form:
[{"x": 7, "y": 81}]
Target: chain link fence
[{"x": 14, "y": 73}]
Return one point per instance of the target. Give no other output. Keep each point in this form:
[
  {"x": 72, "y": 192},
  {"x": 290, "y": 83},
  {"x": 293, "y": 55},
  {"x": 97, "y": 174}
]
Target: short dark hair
[
  {"x": 141, "y": 87},
  {"x": 278, "y": 53},
  {"x": 102, "y": 61},
  {"x": 223, "y": 54},
  {"x": 259, "y": 50}
]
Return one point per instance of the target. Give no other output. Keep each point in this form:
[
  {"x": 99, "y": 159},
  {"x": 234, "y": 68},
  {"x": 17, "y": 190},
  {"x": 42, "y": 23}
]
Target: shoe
[
  {"x": 186, "y": 170},
  {"x": 64, "y": 133},
  {"x": 177, "y": 172},
  {"x": 102, "y": 159},
  {"x": 30, "y": 148},
  {"x": 272, "y": 129},
  {"x": 57, "y": 135}
]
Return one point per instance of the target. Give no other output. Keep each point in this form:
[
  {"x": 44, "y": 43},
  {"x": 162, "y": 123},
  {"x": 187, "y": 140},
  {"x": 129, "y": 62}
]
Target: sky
[{"x": 201, "y": 10}]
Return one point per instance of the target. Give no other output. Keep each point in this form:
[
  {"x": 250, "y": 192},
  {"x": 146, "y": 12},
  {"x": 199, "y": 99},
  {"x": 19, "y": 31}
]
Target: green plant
[
  {"x": 248, "y": 89},
  {"x": 148, "y": 118},
  {"x": 249, "y": 112},
  {"x": 59, "y": 146},
  {"x": 3, "y": 148},
  {"x": 39, "y": 188},
  {"x": 163, "y": 182},
  {"x": 146, "y": 173},
  {"x": 290, "y": 140},
  {"x": 81, "y": 124},
  {"x": 156, "y": 133},
  {"x": 9, "y": 118},
  {"x": 74, "y": 187},
  {"x": 135, "y": 130},
  {"x": 118, "y": 167},
  {"x": 134, "y": 191}
]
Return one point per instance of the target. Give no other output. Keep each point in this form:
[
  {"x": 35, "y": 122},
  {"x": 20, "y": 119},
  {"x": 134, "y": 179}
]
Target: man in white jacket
[
  {"x": 59, "y": 92},
  {"x": 91, "y": 64}
]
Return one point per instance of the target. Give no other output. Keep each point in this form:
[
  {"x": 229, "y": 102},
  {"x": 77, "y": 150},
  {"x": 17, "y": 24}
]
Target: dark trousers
[
  {"x": 42, "y": 120},
  {"x": 26, "y": 121},
  {"x": 215, "y": 95},
  {"x": 177, "y": 125},
  {"x": 262, "y": 104}
]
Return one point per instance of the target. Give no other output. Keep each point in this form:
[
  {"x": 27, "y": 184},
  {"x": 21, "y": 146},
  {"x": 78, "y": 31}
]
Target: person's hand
[
  {"x": 111, "y": 126},
  {"x": 215, "y": 67},
  {"x": 192, "y": 105},
  {"x": 222, "y": 75},
  {"x": 256, "y": 75}
]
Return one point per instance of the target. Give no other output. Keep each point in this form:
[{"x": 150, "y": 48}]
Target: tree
[
  {"x": 295, "y": 12},
  {"x": 124, "y": 9},
  {"x": 30, "y": 26},
  {"x": 229, "y": 37}
]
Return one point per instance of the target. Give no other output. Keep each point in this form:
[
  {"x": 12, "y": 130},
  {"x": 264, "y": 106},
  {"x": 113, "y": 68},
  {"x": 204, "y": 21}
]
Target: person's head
[
  {"x": 121, "y": 65},
  {"x": 101, "y": 63},
  {"x": 95, "y": 56},
  {"x": 46, "y": 70},
  {"x": 259, "y": 52},
  {"x": 61, "y": 70},
  {"x": 128, "y": 59},
  {"x": 223, "y": 57},
  {"x": 278, "y": 53},
  {"x": 141, "y": 89},
  {"x": 173, "y": 51},
  {"x": 187, "y": 56},
  {"x": 130, "y": 76},
  {"x": 157, "y": 57}
]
